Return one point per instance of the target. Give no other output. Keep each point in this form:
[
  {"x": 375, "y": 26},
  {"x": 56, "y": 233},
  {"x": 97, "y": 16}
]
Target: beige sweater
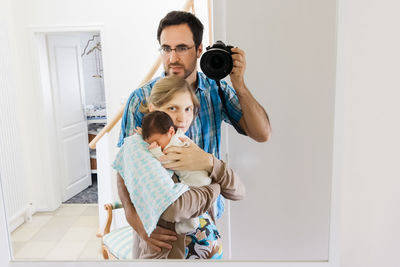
[{"x": 194, "y": 203}]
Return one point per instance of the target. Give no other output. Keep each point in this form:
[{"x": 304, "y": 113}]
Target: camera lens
[{"x": 216, "y": 63}]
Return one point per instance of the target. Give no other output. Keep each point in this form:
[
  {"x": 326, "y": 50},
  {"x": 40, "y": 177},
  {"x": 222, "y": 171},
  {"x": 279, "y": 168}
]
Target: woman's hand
[
  {"x": 159, "y": 238},
  {"x": 188, "y": 158}
]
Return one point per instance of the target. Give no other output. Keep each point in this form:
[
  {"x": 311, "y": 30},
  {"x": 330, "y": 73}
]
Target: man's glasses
[{"x": 179, "y": 50}]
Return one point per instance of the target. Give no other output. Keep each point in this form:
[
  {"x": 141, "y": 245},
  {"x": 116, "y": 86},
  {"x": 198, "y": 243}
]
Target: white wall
[
  {"x": 12, "y": 170},
  {"x": 368, "y": 87},
  {"x": 290, "y": 52}
]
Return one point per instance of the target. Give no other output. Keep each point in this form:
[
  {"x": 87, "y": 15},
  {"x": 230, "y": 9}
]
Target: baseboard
[{"x": 20, "y": 217}]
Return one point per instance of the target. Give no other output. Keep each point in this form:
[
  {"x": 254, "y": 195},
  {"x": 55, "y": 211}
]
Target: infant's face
[{"x": 161, "y": 140}]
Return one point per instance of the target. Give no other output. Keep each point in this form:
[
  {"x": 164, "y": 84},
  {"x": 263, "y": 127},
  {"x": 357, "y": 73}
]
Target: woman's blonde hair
[{"x": 165, "y": 89}]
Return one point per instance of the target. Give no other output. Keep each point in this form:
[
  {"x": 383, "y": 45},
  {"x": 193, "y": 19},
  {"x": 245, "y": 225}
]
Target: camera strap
[{"x": 233, "y": 122}]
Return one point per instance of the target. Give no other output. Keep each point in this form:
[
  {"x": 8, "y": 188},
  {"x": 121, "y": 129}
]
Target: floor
[
  {"x": 89, "y": 195},
  {"x": 68, "y": 233}
]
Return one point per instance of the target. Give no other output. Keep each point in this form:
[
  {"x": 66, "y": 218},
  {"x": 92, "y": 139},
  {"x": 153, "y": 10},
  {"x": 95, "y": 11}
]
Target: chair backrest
[{"x": 119, "y": 242}]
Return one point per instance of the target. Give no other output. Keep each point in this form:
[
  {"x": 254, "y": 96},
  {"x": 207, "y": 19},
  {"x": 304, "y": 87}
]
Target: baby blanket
[{"x": 149, "y": 184}]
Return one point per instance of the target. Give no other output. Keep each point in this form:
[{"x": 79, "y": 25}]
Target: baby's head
[{"x": 157, "y": 126}]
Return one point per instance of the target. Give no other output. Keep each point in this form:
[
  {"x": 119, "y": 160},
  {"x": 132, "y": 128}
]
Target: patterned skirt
[{"x": 205, "y": 242}]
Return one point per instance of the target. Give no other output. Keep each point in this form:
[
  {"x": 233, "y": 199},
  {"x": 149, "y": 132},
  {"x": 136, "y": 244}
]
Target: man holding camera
[{"x": 180, "y": 36}]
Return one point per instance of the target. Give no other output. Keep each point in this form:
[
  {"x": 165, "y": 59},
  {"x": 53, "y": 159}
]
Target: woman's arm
[
  {"x": 196, "y": 201},
  {"x": 231, "y": 186},
  {"x": 159, "y": 237},
  {"x": 192, "y": 203}
]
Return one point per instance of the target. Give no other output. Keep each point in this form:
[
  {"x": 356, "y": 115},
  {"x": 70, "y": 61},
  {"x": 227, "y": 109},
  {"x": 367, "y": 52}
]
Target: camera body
[{"x": 216, "y": 62}]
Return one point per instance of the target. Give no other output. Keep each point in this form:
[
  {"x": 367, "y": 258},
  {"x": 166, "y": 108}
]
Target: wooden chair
[{"x": 118, "y": 243}]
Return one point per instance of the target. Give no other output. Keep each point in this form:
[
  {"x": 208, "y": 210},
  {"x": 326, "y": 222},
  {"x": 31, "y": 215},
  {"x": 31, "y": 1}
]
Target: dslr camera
[{"x": 216, "y": 62}]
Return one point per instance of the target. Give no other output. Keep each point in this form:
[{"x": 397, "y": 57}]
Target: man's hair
[
  {"x": 156, "y": 122},
  {"x": 181, "y": 17}
]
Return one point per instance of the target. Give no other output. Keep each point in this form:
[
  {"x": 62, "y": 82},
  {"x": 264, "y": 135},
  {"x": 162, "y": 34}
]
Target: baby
[{"x": 159, "y": 131}]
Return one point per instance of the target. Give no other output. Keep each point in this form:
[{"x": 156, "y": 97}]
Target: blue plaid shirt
[{"x": 205, "y": 130}]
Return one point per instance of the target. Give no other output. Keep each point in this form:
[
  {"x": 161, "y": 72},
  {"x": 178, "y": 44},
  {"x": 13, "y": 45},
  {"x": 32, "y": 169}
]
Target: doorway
[
  {"x": 72, "y": 71},
  {"x": 95, "y": 107}
]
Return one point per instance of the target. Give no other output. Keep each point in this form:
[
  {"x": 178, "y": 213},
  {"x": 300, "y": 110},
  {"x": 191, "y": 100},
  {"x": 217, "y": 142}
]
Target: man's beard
[{"x": 186, "y": 71}]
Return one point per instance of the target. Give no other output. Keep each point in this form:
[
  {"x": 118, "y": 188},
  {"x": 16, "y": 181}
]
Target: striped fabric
[
  {"x": 116, "y": 205},
  {"x": 119, "y": 242}
]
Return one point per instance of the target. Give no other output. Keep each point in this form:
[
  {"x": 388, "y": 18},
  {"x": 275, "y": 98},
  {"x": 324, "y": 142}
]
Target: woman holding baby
[{"x": 170, "y": 110}]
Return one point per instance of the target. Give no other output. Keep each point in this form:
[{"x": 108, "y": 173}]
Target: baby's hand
[
  {"x": 185, "y": 141},
  {"x": 139, "y": 130},
  {"x": 153, "y": 145}
]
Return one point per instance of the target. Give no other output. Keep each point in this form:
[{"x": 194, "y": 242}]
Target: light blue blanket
[{"x": 149, "y": 184}]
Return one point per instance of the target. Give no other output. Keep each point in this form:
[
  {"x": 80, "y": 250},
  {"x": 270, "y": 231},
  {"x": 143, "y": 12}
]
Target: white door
[{"x": 67, "y": 87}]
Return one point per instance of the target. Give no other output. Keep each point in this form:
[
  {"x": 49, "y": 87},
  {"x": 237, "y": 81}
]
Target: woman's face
[{"x": 180, "y": 109}]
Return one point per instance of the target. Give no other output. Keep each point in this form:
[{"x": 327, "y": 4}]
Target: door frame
[{"x": 38, "y": 36}]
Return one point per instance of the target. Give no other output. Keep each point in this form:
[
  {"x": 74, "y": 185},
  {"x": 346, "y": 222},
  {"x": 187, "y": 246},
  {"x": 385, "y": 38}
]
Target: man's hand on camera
[
  {"x": 187, "y": 158},
  {"x": 239, "y": 67}
]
